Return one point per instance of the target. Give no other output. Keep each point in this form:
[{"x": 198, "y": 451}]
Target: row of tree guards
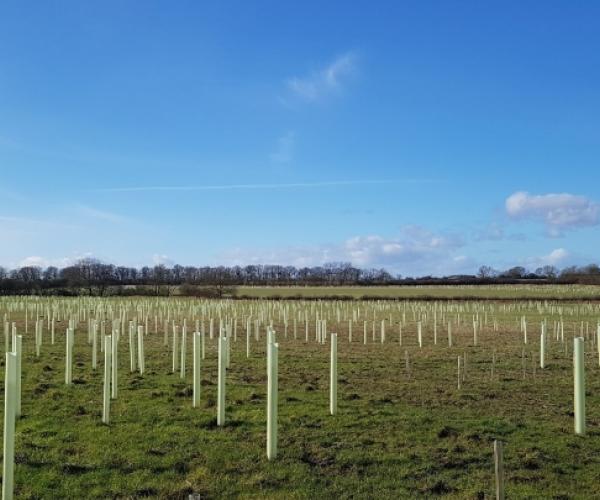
[{"x": 223, "y": 319}]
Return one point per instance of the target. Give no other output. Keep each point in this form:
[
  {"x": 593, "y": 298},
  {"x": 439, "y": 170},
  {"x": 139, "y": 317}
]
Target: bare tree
[{"x": 486, "y": 272}]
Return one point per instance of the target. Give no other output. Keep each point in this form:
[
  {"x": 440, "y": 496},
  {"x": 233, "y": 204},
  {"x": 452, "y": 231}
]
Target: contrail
[{"x": 225, "y": 187}]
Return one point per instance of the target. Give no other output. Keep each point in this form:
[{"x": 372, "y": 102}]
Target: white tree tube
[
  {"x": 132, "y": 353},
  {"x": 140, "y": 339},
  {"x": 197, "y": 365},
  {"x": 598, "y": 342},
  {"x": 114, "y": 363},
  {"x": 175, "y": 349},
  {"x": 10, "y": 407},
  {"x": 222, "y": 360},
  {"x": 579, "y": 385},
  {"x": 272, "y": 388},
  {"x": 37, "y": 339},
  {"x": 499, "y": 469},
  {"x": 94, "y": 346},
  {"x": 542, "y": 348},
  {"x": 183, "y": 352},
  {"x": 18, "y": 350},
  {"x": 69, "y": 357},
  {"x": 333, "y": 376},
  {"x": 248, "y": 328},
  {"x": 107, "y": 372}
]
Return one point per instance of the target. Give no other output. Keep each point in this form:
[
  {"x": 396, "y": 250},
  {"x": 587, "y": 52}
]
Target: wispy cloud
[
  {"x": 12, "y": 195},
  {"x": 8, "y": 142},
  {"x": 285, "y": 148},
  {"x": 266, "y": 186},
  {"x": 10, "y": 218},
  {"x": 25, "y": 222},
  {"x": 324, "y": 81},
  {"x": 101, "y": 214},
  {"x": 495, "y": 231}
]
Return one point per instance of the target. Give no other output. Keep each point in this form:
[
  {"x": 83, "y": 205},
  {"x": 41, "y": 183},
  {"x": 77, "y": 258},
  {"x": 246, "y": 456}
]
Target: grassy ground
[
  {"x": 399, "y": 433},
  {"x": 423, "y": 292}
]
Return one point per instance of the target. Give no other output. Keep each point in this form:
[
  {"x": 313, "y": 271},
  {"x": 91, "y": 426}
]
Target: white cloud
[
  {"x": 37, "y": 261},
  {"x": 34, "y": 261},
  {"x": 416, "y": 251},
  {"x": 557, "y": 257},
  {"x": 163, "y": 260},
  {"x": 415, "y": 244},
  {"x": 325, "y": 81},
  {"x": 285, "y": 148},
  {"x": 559, "y": 212}
]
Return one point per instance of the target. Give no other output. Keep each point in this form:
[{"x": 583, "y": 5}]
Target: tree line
[{"x": 93, "y": 277}]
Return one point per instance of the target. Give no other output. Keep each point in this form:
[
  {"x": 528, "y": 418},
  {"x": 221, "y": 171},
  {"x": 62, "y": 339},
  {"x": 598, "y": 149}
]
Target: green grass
[
  {"x": 534, "y": 292},
  {"x": 397, "y": 435}
]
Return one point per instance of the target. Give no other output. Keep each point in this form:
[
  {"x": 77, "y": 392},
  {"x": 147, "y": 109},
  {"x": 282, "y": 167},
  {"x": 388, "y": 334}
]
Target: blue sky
[{"x": 425, "y": 137}]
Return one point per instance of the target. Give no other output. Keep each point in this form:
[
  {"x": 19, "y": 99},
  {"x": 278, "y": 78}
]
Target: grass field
[
  {"x": 404, "y": 430},
  {"x": 534, "y": 292}
]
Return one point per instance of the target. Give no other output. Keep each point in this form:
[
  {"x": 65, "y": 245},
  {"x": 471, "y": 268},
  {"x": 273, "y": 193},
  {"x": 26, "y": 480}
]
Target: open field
[
  {"x": 403, "y": 428},
  {"x": 535, "y": 292}
]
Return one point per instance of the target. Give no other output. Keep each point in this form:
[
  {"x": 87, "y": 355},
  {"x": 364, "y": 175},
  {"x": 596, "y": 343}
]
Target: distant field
[{"x": 419, "y": 292}]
